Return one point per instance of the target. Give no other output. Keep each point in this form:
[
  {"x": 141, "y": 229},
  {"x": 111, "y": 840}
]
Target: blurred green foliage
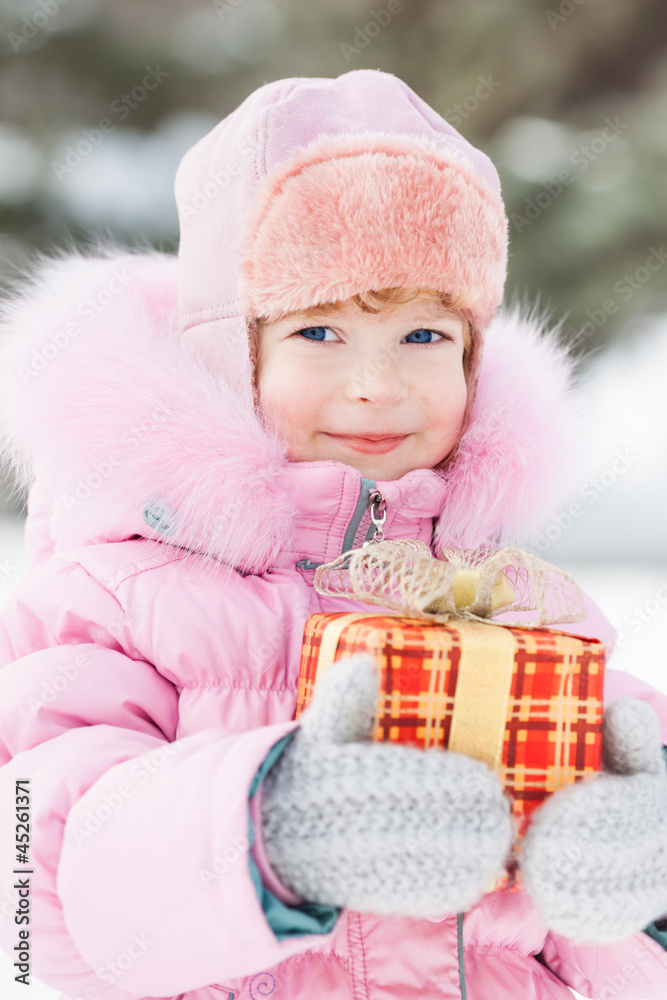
[{"x": 568, "y": 97}]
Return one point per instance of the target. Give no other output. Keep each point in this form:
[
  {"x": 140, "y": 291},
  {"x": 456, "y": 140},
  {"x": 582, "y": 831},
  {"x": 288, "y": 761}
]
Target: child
[{"x": 183, "y": 426}]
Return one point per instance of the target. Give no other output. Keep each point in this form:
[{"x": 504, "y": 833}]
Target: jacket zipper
[
  {"x": 462, "y": 974},
  {"x": 367, "y": 486},
  {"x": 369, "y": 497}
]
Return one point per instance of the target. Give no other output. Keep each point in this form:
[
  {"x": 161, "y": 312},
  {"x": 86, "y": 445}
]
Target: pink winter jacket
[{"x": 149, "y": 657}]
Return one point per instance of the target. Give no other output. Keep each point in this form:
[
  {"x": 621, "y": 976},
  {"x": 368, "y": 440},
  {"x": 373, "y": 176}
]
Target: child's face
[{"x": 350, "y": 372}]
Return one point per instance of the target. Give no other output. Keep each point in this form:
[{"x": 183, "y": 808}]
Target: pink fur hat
[{"x": 315, "y": 189}]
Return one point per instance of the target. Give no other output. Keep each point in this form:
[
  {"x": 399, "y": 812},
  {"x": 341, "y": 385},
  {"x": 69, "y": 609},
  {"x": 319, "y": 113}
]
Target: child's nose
[{"x": 380, "y": 381}]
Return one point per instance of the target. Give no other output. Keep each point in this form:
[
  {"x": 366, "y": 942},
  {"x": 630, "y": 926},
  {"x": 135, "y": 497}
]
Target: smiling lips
[{"x": 372, "y": 445}]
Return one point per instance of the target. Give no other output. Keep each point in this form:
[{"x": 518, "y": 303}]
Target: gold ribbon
[
  {"x": 482, "y": 694},
  {"x": 474, "y": 584}
]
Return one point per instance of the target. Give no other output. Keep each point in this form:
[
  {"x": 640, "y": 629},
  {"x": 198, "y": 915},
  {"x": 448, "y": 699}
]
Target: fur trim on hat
[{"x": 346, "y": 214}]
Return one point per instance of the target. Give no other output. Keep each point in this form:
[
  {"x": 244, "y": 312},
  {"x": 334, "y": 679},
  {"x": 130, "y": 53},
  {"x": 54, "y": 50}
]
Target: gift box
[{"x": 526, "y": 700}]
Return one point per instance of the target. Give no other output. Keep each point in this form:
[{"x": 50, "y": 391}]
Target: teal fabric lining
[
  {"x": 285, "y": 921},
  {"x": 659, "y": 936}
]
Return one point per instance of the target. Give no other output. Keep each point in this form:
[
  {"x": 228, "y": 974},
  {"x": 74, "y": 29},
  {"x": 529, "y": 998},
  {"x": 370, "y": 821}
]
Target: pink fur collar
[{"x": 97, "y": 388}]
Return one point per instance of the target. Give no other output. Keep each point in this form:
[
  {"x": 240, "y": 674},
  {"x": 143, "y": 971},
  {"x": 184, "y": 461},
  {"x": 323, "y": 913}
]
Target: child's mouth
[{"x": 370, "y": 446}]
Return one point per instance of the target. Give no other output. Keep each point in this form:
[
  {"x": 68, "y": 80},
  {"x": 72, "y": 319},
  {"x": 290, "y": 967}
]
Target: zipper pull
[{"x": 378, "y": 516}]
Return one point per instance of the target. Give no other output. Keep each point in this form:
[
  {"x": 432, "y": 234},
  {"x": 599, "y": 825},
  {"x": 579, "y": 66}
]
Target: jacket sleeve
[
  {"x": 633, "y": 969},
  {"x": 141, "y": 881}
]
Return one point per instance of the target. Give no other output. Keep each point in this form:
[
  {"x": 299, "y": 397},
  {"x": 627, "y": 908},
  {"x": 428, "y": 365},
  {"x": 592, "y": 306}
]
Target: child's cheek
[
  {"x": 281, "y": 412},
  {"x": 452, "y": 399}
]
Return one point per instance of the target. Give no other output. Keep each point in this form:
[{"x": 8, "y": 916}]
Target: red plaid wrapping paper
[{"x": 528, "y": 702}]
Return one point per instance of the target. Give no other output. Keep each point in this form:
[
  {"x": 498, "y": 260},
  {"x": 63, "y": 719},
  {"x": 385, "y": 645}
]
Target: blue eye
[
  {"x": 308, "y": 329},
  {"x": 428, "y": 333}
]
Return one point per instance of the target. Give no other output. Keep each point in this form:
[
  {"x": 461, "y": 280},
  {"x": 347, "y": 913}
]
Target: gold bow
[{"x": 477, "y": 584}]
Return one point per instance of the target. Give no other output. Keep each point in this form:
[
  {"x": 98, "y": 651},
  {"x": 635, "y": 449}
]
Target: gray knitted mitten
[
  {"x": 379, "y": 827},
  {"x": 594, "y": 859}
]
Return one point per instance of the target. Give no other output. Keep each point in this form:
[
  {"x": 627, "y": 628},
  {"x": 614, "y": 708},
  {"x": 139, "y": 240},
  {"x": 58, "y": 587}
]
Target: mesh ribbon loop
[{"x": 476, "y": 584}]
